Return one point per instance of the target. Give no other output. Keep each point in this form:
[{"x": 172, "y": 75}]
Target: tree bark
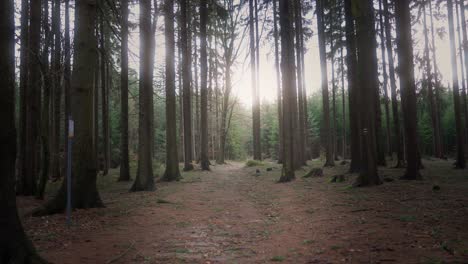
[
  {"x": 205, "y": 162},
  {"x": 393, "y": 89},
  {"x": 353, "y": 92},
  {"x": 33, "y": 103},
  {"x": 407, "y": 88},
  {"x": 368, "y": 83},
  {"x": 84, "y": 189},
  {"x": 430, "y": 91},
  {"x": 186, "y": 78},
  {"x": 24, "y": 81},
  {"x": 172, "y": 172},
  {"x": 301, "y": 145},
  {"x": 104, "y": 95},
  {"x": 15, "y": 247},
  {"x": 325, "y": 98},
  {"x": 57, "y": 86},
  {"x": 461, "y": 161},
  {"x": 278, "y": 82},
  {"x": 464, "y": 68},
  {"x": 124, "y": 160},
  {"x": 144, "y": 180},
  {"x": 289, "y": 84}
]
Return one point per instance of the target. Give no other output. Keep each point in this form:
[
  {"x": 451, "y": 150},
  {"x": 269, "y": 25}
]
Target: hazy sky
[{"x": 241, "y": 73}]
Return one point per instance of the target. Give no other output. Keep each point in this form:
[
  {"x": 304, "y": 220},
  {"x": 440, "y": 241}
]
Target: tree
[
  {"x": 84, "y": 171},
  {"x": 257, "y": 153},
  {"x": 436, "y": 138},
  {"x": 393, "y": 88},
  {"x": 124, "y": 162},
  {"x": 288, "y": 84},
  {"x": 367, "y": 64},
  {"x": 104, "y": 65},
  {"x": 172, "y": 172},
  {"x": 407, "y": 88},
  {"x": 144, "y": 180},
  {"x": 327, "y": 135},
  {"x": 15, "y": 247},
  {"x": 205, "y": 162},
  {"x": 461, "y": 26},
  {"x": 461, "y": 161},
  {"x": 278, "y": 80},
  {"x": 351, "y": 62},
  {"x": 301, "y": 127},
  {"x": 187, "y": 79}
]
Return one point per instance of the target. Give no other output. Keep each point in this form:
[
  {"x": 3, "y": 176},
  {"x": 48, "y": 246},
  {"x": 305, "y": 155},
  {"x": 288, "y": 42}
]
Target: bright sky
[{"x": 267, "y": 82}]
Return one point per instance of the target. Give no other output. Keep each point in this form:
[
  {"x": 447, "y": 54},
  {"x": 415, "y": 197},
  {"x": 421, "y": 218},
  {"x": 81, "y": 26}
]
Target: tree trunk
[
  {"x": 385, "y": 81},
  {"x": 57, "y": 95},
  {"x": 67, "y": 76},
  {"x": 124, "y": 160},
  {"x": 440, "y": 150},
  {"x": 33, "y": 103},
  {"x": 104, "y": 96},
  {"x": 172, "y": 172},
  {"x": 15, "y": 246},
  {"x": 351, "y": 62},
  {"x": 257, "y": 153},
  {"x": 278, "y": 82},
  {"x": 45, "y": 133},
  {"x": 144, "y": 180},
  {"x": 430, "y": 92},
  {"x": 24, "y": 81},
  {"x": 205, "y": 162},
  {"x": 326, "y": 107},
  {"x": 393, "y": 91},
  {"x": 368, "y": 83},
  {"x": 84, "y": 189},
  {"x": 464, "y": 68},
  {"x": 407, "y": 88},
  {"x": 287, "y": 63},
  {"x": 461, "y": 161},
  {"x": 186, "y": 78},
  {"x": 301, "y": 146}
]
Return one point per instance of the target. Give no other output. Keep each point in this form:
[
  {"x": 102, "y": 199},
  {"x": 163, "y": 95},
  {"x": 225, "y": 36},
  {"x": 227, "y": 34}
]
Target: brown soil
[{"x": 232, "y": 215}]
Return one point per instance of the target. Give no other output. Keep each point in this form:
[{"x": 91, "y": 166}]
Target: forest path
[{"x": 231, "y": 215}]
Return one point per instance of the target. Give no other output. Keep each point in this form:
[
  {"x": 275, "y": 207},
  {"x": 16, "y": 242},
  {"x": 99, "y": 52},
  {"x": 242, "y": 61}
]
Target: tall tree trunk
[
  {"x": 343, "y": 105},
  {"x": 289, "y": 84},
  {"x": 57, "y": 86},
  {"x": 205, "y": 162},
  {"x": 334, "y": 122},
  {"x": 351, "y": 63},
  {"x": 278, "y": 82},
  {"x": 144, "y": 180},
  {"x": 172, "y": 172},
  {"x": 464, "y": 68},
  {"x": 407, "y": 88},
  {"x": 440, "y": 151},
  {"x": 257, "y": 154},
  {"x": 385, "y": 80},
  {"x": 84, "y": 189},
  {"x": 187, "y": 88},
  {"x": 465, "y": 52},
  {"x": 14, "y": 244},
  {"x": 326, "y": 104},
  {"x": 393, "y": 88},
  {"x": 461, "y": 161},
  {"x": 67, "y": 76},
  {"x": 125, "y": 160},
  {"x": 301, "y": 146},
  {"x": 46, "y": 102},
  {"x": 256, "y": 114},
  {"x": 430, "y": 91},
  {"x": 104, "y": 95},
  {"x": 33, "y": 103},
  {"x": 24, "y": 81},
  {"x": 368, "y": 83}
]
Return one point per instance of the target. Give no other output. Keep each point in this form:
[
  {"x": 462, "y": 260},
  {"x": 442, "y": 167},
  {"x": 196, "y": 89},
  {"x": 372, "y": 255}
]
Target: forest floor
[{"x": 233, "y": 215}]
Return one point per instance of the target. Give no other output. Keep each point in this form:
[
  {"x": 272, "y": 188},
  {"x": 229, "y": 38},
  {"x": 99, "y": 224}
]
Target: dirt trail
[{"x": 231, "y": 215}]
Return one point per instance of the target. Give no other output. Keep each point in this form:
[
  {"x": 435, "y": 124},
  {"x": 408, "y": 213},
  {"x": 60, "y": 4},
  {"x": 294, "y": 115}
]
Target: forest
[{"x": 233, "y": 131}]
